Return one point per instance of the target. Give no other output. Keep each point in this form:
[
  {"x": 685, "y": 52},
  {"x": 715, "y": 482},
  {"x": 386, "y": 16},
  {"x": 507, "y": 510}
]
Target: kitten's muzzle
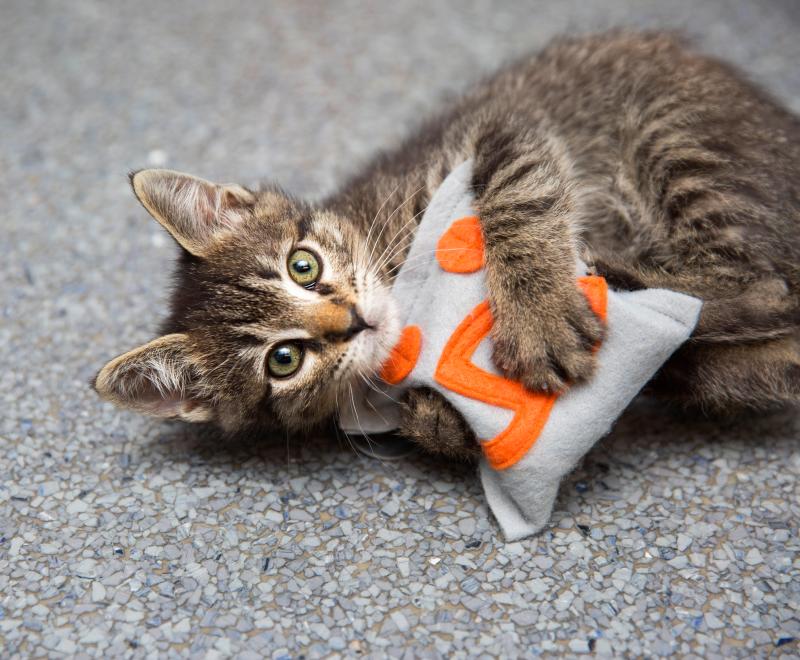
[
  {"x": 357, "y": 324},
  {"x": 337, "y": 323}
]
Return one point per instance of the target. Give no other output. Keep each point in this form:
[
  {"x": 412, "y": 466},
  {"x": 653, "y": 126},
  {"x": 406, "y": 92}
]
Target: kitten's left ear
[
  {"x": 197, "y": 213},
  {"x": 156, "y": 379}
]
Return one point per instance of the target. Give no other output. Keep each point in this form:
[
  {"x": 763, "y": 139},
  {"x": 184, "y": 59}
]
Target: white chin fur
[{"x": 372, "y": 347}]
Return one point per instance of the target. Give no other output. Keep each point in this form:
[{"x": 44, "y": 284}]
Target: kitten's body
[
  {"x": 658, "y": 166},
  {"x": 678, "y": 174}
]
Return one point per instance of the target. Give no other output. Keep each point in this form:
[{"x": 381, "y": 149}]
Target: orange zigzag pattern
[
  {"x": 461, "y": 250},
  {"x": 456, "y": 372}
]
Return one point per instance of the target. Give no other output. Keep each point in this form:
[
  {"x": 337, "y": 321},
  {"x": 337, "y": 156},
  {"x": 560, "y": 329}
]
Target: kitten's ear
[
  {"x": 154, "y": 379},
  {"x": 196, "y": 212}
]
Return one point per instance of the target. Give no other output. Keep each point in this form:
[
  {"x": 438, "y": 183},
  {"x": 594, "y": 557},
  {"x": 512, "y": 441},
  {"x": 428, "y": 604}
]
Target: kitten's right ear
[
  {"x": 155, "y": 379},
  {"x": 197, "y": 213}
]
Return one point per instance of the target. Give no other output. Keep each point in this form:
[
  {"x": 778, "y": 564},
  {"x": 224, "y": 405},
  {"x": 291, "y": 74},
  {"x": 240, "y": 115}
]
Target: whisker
[
  {"x": 391, "y": 215},
  {"x": 336, "y": 429},
  {"x": 417, "y": 257},
  {"x": 361, "y": 428},
  {"x": 377, "y": 412},
  {"x": 382, "y": 260},
  {"x": 377, "y": 389},
  {"x": 378, "y": 212}
]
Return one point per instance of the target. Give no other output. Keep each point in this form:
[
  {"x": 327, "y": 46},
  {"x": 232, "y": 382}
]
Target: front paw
[
  {"x": 549, "y": 345},
  {"x": 436, "y": 426}
]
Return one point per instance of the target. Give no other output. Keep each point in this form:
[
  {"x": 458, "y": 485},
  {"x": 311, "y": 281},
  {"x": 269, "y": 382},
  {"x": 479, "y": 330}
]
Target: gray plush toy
[{"x": 530, "y": 441}]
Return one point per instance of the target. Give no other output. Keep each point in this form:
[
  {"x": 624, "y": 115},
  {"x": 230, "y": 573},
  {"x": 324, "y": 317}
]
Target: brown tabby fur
[{"x": 658, "y": 166}]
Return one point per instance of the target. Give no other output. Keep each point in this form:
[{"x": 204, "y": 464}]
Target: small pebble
[
  {"x": 404, "y": 566},
  {"x": 400, "y": 621},
  {"x": 98, "y": 592},
  {"x": 525, "y": 618},
  {"x": 467, "y": 526},
  {"x": 753, "y": 557},
  {"x": 579, "y": 646}
]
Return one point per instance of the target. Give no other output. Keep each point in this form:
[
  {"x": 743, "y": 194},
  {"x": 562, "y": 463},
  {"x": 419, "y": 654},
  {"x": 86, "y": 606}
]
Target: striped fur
[{"x": 659, "y": 166}]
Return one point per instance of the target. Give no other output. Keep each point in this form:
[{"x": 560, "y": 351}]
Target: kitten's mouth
[
  {"x": 381, "y": 332},
  {"x": 374, "y": 334}
]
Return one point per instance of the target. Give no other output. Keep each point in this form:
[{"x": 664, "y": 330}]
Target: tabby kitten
[{"x": 658, "y": 166}]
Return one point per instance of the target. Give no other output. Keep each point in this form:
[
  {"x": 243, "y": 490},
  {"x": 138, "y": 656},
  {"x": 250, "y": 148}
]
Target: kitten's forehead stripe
[
  {"x": 267, "y": 290},
  {"x": 250, "y": 285},
  {"x": 269, "y": 274},
  {"x": 251, "y": 339},
  {"x": 304, "y": 227}
]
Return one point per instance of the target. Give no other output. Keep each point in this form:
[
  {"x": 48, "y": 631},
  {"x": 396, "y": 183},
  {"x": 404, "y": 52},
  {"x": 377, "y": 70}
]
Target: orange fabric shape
[
  {"x": 456, "y": 372},
  {"x": 403, "y": 357},
  {"x": 460, "y": 249},
  {"x": 596, "y": 291}
]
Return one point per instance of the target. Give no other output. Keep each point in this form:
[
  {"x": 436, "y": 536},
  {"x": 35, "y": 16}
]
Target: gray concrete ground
[{"x": 126, "y": 537}]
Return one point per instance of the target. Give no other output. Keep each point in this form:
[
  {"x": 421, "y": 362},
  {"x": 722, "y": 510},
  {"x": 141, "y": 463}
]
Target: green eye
[
  {"x": 304, "y": 268},
  {"x": 284, "y": 360}
]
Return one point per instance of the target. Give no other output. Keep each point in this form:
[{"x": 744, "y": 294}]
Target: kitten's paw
[
  {"x": 552, "y": 347},
  {"x": 432, "y": 423}
]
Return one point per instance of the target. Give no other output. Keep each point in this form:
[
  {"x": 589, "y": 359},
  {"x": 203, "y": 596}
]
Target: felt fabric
[{"x": 446, "y": 346}]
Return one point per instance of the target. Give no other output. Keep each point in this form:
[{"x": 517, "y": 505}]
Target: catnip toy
[{"x": 530, "y": 441}]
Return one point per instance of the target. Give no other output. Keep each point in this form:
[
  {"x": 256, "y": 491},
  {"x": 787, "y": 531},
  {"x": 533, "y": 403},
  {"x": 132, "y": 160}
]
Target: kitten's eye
[
  {"x": 304, "y": 268},
  {"x": 284, "y": 360}
]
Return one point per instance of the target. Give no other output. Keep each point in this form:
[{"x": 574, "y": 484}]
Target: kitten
[{"x": 658, "y": 166}]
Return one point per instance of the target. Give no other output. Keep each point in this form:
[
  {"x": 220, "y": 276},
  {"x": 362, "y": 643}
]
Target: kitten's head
[{"x": 275, "y": 312}]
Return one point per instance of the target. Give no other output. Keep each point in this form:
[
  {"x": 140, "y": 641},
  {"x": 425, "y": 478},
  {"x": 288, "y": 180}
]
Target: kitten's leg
[
  {"x": 744, "y": 351},
  {"x": 544, "y": 329},
  {"x": 722, "y": 379},
  {"x": 714, "y": 226},
  {"x": 746, "y": 310},
  {"x": 435, "y": 425}
]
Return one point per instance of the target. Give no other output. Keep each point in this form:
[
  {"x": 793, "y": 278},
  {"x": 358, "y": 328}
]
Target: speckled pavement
[{"x": 120, "y": 536}]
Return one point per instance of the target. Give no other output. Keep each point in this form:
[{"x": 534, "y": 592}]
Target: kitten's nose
[
  {"x": 357, "y": 323},
  {"x": 336, "y": 322}
]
